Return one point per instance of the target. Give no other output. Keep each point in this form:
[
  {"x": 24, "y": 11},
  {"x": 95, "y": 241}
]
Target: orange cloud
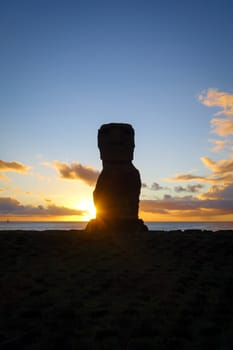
[
  {"x": 222, "y": 127},
  {"x": 188, "y": 177},
  {"x": 180, "y": 205},
  {"x": 13, "y": 166},
  {"x": 221, "y": 145},
  {"x": 214, "y": 98},
  {"x": 12, "y": 207},
  {"x": 219, "y": 192},
  {"x": 3, "y": 177},
  {"x": 77, "y": 171},
  {"x": 224, "y": 166},
  {"x": 223, "y": 100},
  {"x": 213, "y": 178}
]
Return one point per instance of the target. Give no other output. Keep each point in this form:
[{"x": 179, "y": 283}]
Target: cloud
[
  {"x": 13, "y": 166},
  {"x": 222, "y": 127},
  {"x": 219, "y": 192},
  {"x": 3, "y": 177},
  {"x": 180, "y": 189},
  {"x": 224, "y": 166},
  {"x": 77, "y": 171},
  {"x": 225, "y": 192},
  {"x": 221, "y": 145},
  {"x": 221, "y": 177},
  {"x": 156, "y": 187},
  {"x": 214, "y": 98},
  {"x": 180, "y": 205},
  {"x": 187, "y": 177},
  {"x": 167, "y": 204},
  {"x": 223, "y": 100},
  {"x": 221, "y": 173},
  {"x": 12, "y": 207},
  {"x": 189, "y": 188}
]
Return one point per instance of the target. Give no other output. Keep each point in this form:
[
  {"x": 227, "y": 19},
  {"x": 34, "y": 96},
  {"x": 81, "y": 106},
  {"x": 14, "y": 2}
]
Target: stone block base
[{"x": 119, "y": 225}]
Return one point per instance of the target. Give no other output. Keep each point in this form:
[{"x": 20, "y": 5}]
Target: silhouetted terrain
[{"x": 153, "y": 290}]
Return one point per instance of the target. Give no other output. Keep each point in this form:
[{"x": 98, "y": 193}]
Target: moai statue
[{"x": 116, "y": 195}]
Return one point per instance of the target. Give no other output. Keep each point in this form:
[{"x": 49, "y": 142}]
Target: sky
[{"x": 164, "y": 66}]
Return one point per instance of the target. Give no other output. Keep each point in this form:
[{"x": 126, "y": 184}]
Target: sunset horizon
[{"x": 68, "y": 68}]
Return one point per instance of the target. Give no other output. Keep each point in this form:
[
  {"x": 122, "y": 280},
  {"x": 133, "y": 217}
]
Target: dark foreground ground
[{"x": 154, "y": 290}]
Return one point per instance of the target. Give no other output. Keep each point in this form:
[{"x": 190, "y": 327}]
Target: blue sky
[{"x": 166, "y": 67}]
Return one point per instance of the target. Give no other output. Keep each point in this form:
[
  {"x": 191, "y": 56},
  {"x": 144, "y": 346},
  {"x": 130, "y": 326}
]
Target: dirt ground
[{"x": 151, "y": 290}]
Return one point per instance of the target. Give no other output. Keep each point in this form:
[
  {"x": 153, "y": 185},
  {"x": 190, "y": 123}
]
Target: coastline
[
  {"x": 72, "y": 289},
  {"x": 80, "y": 225}
]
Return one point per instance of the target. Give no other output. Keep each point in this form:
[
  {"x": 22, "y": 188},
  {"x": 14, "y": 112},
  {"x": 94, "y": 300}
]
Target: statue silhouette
[{"x": 116, "y": 195}]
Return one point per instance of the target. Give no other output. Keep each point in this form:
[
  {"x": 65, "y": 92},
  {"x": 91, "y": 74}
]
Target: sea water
[{"x": 80, "y": 225}]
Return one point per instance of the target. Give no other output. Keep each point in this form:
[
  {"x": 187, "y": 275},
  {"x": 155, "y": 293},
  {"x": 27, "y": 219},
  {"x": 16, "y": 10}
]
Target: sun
[{"x": 87, "y": 206}]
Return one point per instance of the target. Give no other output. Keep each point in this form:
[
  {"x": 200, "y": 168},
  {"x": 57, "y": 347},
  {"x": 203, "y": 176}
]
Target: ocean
[{"x": 153, "y": 226}]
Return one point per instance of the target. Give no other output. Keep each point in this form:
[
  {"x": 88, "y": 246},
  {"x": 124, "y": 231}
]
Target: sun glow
[{"x": 88, "y": 208}]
